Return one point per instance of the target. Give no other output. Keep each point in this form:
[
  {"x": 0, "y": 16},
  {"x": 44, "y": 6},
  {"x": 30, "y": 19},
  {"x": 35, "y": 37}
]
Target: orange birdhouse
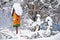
[{"x": 16, "y": 19}]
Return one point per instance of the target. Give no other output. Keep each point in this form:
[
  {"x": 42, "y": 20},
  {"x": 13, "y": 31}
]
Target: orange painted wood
[{"x": 16, "y": 18}]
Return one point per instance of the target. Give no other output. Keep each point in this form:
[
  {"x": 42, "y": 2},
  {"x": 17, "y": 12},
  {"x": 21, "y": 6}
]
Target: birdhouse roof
[{"x": 18, "y": 9}]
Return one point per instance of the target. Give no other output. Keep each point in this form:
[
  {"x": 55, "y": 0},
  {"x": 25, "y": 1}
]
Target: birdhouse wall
[{"x": 16, "y": 19}]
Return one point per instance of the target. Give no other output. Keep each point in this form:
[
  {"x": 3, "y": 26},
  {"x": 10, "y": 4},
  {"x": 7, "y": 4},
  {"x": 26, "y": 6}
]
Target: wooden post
[{"x": 16, "y": 30}]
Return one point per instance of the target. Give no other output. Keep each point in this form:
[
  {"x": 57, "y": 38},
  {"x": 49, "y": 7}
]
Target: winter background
[{"x": 30, "y": 9}]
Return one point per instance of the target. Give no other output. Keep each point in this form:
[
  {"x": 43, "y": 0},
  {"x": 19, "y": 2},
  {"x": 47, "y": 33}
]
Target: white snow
[
  {"x": 25, "y": 35},
  {"x": 31, "y": 3},
  {"x": 5, "y": 0},
  {"x": 38, "y": 20},
  {"x": 18, "y": 9},
  {"x": 49, "y": 20},
  {"x": 42, "y": 1},
  {"x": 50, "y": 6}
]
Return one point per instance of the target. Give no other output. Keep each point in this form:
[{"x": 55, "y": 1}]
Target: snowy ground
[
  {"x": 25, "y": 34},
  {"x": 56, "y": 37}
]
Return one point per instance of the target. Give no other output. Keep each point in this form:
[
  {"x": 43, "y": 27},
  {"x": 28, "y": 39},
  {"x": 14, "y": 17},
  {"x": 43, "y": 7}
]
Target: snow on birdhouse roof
[{"x": 18, "y": 9}]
